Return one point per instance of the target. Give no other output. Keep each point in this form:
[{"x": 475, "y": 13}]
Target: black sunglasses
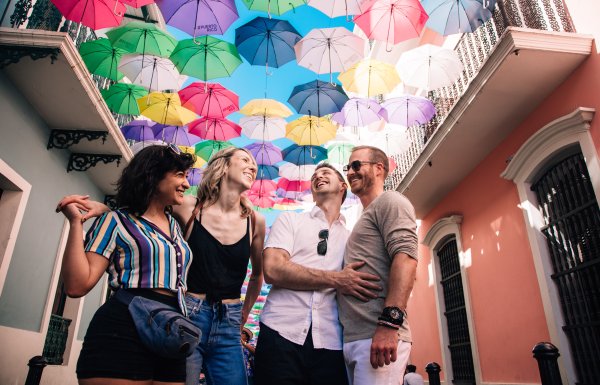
[
  {"x": 356, "y": 165},
  {"x": 322, "y": 245}
]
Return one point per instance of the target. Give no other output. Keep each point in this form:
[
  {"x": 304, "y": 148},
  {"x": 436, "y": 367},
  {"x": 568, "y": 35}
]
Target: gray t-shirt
[{"x": 386, "y": 227}]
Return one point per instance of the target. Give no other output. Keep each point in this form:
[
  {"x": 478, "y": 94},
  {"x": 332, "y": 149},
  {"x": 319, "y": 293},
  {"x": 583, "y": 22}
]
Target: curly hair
[
  {"x": 210, "y": 186},
  {"x": 139, "y": 180}
]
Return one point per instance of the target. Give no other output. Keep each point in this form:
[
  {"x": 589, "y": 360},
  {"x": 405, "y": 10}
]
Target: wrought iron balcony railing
[
  {"x": 56, "y": 339},
  {"x": 473, "y": 50}
]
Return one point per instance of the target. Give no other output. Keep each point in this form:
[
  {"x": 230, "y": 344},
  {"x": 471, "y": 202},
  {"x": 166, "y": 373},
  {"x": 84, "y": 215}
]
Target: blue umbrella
[
  {"x": 454, "y": 16},
  {"x": 267, "y": 42},
  {"x": 267, "y": 172},
  {"x": 138, "y": 130},
  {"x": 300, "y": 155},
  {"x": 318, "y": 98}
]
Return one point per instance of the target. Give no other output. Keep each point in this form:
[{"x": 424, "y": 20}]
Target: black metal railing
[
  {"x": 56, "y": 339},
  {"x": 473, "y": 50}
]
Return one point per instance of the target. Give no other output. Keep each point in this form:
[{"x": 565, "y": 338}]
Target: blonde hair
[{"x": 209, "y": 189}]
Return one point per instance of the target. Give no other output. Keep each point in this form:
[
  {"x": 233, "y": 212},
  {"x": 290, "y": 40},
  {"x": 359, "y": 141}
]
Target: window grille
[
  {"x": 572, "y": 230},
  {"x": 456, "y": 315}
]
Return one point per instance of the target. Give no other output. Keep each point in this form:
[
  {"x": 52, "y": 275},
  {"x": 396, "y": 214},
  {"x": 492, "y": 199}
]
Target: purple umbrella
[
  {"x": 194, "y": 177},
  {"x": 409, "y": 110},
  {"x": 265, "y": 153},
  {"x": 199, "y": 17},
  {"x": 138, "y": 130},
  {"x": 359, "y": 112},
  {"x": 175, "y": 134}
]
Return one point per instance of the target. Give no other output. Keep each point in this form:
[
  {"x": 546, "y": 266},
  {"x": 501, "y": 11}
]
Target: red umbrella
[
  {"x": 209, "y": 99},
  {"x": 392, "y": 21},
  {"x": 214, "y": 129},
  {"x": 137, "y": 3},
  {"x": 96, "y": 14},
  {"x": 293, "y": 185}
]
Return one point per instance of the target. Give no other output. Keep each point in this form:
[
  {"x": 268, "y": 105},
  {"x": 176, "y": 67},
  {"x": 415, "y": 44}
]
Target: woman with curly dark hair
[{"x": 143, "y": 250}]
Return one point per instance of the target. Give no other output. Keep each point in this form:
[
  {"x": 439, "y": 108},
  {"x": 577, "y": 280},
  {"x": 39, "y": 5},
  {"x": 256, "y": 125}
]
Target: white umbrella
[
  {"x": 291, "y": 171},
  {"x": 329, "y": 50},
  {"x": 429, "y": 67},
  {"x": 263, "y": 127},
  {"x": 153, "y": 72},
  {"x": 392, "y": 140},
  {"x": 335, "y": 8}
]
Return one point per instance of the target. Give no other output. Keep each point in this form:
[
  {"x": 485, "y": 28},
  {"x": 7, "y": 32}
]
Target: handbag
[{"x": 162, "y": 329}]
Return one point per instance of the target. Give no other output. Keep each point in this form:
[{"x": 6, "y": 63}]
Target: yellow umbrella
[
  {"x": 165, "y": 108},
  {"x": 310, "y": 130},
  {"x": 266, "y": 107},
  {"x": 191, "y": 150},
  {"x": 370, "y": 77}
]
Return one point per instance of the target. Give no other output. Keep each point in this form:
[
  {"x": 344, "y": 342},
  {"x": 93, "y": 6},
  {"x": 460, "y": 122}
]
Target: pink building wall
[{"x": 506, "y": 302}]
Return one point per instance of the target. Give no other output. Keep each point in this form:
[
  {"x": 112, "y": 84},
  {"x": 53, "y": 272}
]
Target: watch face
[{"x": 395, "y": 313}]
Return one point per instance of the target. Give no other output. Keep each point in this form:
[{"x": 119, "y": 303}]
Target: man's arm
[
  {"x": 279, "y": 270},
  {"x": 400, "y": 284}
]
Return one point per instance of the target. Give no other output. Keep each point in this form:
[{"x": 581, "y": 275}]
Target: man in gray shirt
[{"x": 377, "y": 339}]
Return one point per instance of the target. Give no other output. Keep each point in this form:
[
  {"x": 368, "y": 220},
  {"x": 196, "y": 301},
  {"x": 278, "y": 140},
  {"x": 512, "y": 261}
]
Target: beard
[{"x": 367, "y": 180}]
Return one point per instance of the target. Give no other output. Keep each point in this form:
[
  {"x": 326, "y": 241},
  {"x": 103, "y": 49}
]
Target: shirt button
[
  {"x": 179, "y": 276},
  {"x": 179, "y": 265}
]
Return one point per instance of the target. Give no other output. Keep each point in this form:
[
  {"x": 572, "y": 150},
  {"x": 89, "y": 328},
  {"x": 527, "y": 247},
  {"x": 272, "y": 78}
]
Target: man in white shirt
[
  {"x": 300, "y": 339},
  {"x": 412, "y": 377}
]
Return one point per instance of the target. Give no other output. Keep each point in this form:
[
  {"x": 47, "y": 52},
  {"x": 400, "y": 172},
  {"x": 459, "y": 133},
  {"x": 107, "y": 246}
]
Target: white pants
[{"x": 357, "y": 355}]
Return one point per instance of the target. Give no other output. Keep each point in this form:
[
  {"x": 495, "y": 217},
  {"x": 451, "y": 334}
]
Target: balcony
[
  {"x": 502, "y": 83},
  {"x": 56, "y": 339}
]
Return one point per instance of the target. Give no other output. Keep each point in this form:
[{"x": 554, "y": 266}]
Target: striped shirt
[{"x": 140, "y": 254}]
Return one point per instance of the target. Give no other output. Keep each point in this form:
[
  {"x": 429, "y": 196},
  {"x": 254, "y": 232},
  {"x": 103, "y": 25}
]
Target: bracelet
[{"x": 388, "y": 324}]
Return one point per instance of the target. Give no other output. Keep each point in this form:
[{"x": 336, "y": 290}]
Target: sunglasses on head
[
  {"x": 322, "y": 245},
  {"x": 356, "y": 165},
  {"x": 173, "y": 147}
]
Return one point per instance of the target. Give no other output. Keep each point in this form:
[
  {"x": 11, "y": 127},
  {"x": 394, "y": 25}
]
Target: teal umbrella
[
  {"x": 206, "y": 57},
  {"x": 122, "y": 98},
  {"x": 143, "y": 38},
  {"x": 208, "y": 148},
  {"x": 339, "y": 152},
  {"x": 101, "y": 58}
]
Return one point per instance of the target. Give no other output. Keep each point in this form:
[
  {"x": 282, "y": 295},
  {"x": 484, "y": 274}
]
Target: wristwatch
[{"x": 393, "y": 315}]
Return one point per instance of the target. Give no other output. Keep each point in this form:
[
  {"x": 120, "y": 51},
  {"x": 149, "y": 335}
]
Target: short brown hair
[
  {"x": 339, "y": 175},
  {"x": 376, "y": 155}
]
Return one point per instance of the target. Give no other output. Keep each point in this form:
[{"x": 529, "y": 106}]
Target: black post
[
  {"x": 433, "y": 371},
  {"x": 547, "y": 355},
  {"x": 36, "y": 366}
]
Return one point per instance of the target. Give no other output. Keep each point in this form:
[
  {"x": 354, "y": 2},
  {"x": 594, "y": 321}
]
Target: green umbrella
[
  {"x": 277, "y": 7},
  {"x": 206, "y": 57},
  {"x": 122, "y": 98},
  {"x": 101, "y": 58},
  {"x": 208, "y": 148},
  {"x": 144, "y": 38},
  {"x": 339, "y": 152}
]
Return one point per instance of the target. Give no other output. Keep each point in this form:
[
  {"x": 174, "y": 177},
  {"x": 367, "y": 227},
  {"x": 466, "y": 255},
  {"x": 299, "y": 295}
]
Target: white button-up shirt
[{"x": 291, "y": 312}]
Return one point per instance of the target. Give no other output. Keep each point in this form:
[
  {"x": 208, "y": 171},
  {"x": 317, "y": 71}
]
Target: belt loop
[{"x": 220, "y": 310}]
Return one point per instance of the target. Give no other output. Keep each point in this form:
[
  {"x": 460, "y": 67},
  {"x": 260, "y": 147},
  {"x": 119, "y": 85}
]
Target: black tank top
[{"x": 217, "y": 270}]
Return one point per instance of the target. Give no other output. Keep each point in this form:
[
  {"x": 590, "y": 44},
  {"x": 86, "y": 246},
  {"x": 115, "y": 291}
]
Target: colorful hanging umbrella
[
  {"x": 310, "y": 130},
  {"x": 208, "y": 148},
  {"x": 285, "y": 204},
  {"x": 260, "y": 200},
  {"x": 265, "y": 153},
  {"x": 101, "y": 58},
  {"x": 370, "y": 77},
  {"x": 409, "y": 110},
  {"x": 429, "y": 67},
  {"x": 191, "y": 150},
  {"x": 122, "y": 98},
  {"x": 175, "y": 134},
  {"x": 392, "y": 140},
  {"x": 266, "y": 171},
  {"x": 267, "y": 42},
  {"x": 194, "y": 176},
  {"x": 263, "y": 186},
  {"x": 138, "y": 130},
  {"x": 277, "y": 7},
  {"x": 96, "y": 14},
  {"x": 297, "y": 172},
  {"x": 359, "y": 112},
  {"x": 456, "y": 16},
  {"x": 335, "y": 8},
  {"x": 149, "y": 71},
  {"x": 304, "y": 154},
  {"x": 165, "y": 108},
  {"x": 206, "y": 57},
  {"x": 215, "y": 128},
  {"x": 137, "y": 3},
  {"x": 293, "y": 185},
  {"x": 210, "y": 100},
  {"x": 199, "y": 17},
  {"x": 317, "y": 98},
  {"x": 392, "y": 21},
  {"x": 339, "y": 152},
  {"x": 329, "y": 50},
  {"x": 266, "y": 107},
  {"x": 262, "y": 127},
  {"x": 143, "y": 38}
]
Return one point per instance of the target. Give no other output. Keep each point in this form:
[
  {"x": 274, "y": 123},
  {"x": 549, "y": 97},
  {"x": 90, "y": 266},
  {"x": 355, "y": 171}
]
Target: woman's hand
[
  {"x": 91, "y": 208},
  {"x": 72, "y": 212}
]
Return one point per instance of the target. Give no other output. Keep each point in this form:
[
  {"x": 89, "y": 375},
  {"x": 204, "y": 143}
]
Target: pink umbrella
[
  {"x": 137, "y": 3},
  {"x": 293, "y": 185},
  {"x": 214, "y": 129},
  {"x": 209, "y": 99},
  {"x": 392, "y": 21},
  {"x": 96, "y": 14},
  {"x": 264, "y": 187},
  {"x": 261, "y": 200}
]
